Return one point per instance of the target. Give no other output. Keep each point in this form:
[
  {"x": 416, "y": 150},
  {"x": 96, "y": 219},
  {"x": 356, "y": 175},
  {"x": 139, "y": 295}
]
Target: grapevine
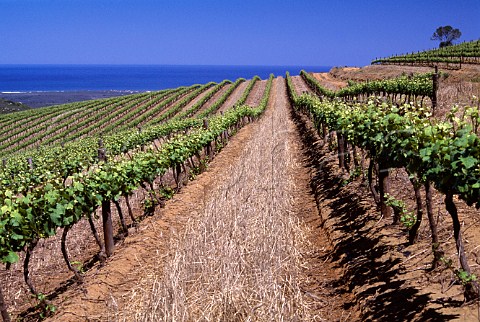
[{"x": 445, "y": 154}]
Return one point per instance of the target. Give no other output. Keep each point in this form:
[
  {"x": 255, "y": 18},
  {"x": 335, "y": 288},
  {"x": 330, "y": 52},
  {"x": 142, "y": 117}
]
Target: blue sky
[{"x": 243, "y": 32}]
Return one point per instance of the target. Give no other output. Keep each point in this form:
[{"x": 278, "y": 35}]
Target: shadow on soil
[{"x": 370, "y": 266}]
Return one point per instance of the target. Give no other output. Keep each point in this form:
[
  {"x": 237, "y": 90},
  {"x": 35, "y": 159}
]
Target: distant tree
[{"x": 446, "y": 35}]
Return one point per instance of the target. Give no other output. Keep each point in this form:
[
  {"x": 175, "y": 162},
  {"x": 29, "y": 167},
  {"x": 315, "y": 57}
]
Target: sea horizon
[{"x": 31, "y": 78}]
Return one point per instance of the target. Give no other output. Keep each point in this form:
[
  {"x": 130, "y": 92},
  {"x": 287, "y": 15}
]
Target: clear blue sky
[{"x": 224, "y": 32}]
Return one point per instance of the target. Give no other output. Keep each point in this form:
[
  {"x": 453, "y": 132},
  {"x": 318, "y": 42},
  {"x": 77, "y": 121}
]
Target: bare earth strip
[
  {"x": 256, "y": 94},
  {"x": 241, "y": 242},
  {"x": 300, "y": 85},
  {"x": 234, "y": 97},
  {"x": 213, "y": 99},
  {"x": 329, "y": 82},
  {"x": 195, "y": 100}
]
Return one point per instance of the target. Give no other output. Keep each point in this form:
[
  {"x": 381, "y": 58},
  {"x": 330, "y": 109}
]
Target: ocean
[{"x": 58, "y": 78}]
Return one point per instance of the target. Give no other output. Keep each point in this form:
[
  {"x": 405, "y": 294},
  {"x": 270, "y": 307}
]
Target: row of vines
[
  {"x": 440, "y": 154},
  {"x": 412, "y": 88},
  {"x": 48, "y": 190},
  {"x": 452, "y": 56}
]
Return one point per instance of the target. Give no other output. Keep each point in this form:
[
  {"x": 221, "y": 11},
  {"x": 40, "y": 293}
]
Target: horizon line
[{"x": 137, "y": 64}]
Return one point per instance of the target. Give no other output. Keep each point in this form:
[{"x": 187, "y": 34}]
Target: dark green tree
[{"x": 446, "y": 35}]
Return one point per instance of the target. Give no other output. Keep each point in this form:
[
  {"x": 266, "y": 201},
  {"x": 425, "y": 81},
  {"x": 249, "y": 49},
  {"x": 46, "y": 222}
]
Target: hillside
[
  {"x": 228, "y": 202},
  {"x": 7, "y": 106},
  {"x": 451, "y": 57},
  {"x": 455, "y": 87}
]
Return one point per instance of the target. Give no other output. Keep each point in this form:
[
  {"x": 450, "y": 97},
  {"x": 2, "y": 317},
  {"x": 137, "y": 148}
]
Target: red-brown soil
[
  {"x": 391, "y": 279},
  {"x": 300, "y": 86},
  {"x": 328, "y": 81},
  {"x": 256, "y": 94}
]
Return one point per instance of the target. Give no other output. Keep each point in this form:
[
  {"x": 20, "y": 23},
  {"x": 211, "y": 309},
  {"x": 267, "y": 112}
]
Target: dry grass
[
  {"x": 456, "y": 93},
  {"x": 241, "y": 259}
]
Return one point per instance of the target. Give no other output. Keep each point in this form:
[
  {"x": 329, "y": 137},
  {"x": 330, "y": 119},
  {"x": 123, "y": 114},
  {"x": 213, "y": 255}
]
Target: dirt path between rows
[
  {"x": 234, "y": 97},
  {"x": 255, "y": 96},
  {"x": 252, "y": 217},
  {"x": 391, "y": 279},
  {"x": 300, "y": 86},
  {"x": 212, "y": 99}
]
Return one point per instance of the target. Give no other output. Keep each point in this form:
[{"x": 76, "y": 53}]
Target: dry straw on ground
[{"x": 241, "y": 259}]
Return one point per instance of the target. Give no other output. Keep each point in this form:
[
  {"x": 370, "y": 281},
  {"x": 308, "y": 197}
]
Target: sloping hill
[
  {"x": 450, "y": 56},
  {"x": 7, "y": 106}
]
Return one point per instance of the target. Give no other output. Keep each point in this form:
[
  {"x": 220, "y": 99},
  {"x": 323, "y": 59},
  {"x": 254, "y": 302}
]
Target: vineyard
[
  {"x": 47, "y": 185},
  {"x": 376, "y": 136},
  {"x": 84, "y": 178},
  {"x": 449, "y": 57}
]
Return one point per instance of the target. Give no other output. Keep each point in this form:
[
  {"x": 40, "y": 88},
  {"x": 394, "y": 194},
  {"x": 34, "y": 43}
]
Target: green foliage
[
  {"x": 417, "y": 85},
  {"x": 166, "y": 192},
  {"x": 78, "y": 266},
  {"x": 467, "y": 53},
  {"x": 464, "y": 277},
  {"x": 47, "y": 308},
  {"x": 69, "y": 182},
  {"x": 407, "y": 218},
  {"x": 214, "y": 107},
  {"x": 445, "y": 153},
  {"x": 316, "y": 86},
  {"x": 354, "y": 174}
]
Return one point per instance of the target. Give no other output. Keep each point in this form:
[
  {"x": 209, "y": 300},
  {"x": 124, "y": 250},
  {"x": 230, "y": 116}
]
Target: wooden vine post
[
  {"x": 209, "y": 150},
  {"x": 413, "y": 232},
  {"x": 472, "y": 287},
  {"x": 437, "y": 252},
  {"x": 106, "y": 210},
  {"x": 30, "y": 163},
  {"x": 341, "y": 151},
  {"x": 142, "y": 148},
  {"x": 435, "y": 88},
  {"x": 384, "y": 188}
]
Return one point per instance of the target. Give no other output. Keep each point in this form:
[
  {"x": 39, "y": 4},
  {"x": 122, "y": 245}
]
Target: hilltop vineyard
[{"x": 449, "y": 57}]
